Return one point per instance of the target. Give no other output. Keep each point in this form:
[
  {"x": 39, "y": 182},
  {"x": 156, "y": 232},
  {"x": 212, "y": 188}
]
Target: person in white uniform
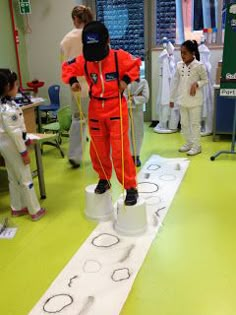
[
  {"x": 187, "y": 85},
  {"x": 207, "y": 108},
  {"x": 137, "y": 94},
  {"x": 13, "y": 148},
  {"x": 168, "y": 117},
  {"x": 71, "y": 47}
]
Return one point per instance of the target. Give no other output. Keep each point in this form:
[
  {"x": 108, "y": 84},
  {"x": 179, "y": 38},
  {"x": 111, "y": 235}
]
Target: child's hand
[
  {"x": 29, "y": 142},
  {"x": 122, "y": 85},
  {"x": 193, "y": 89},
  {"x": 171, "y": 104},
  {"x": 26, "y": 159},
  {"x": 76, "y": 87}
]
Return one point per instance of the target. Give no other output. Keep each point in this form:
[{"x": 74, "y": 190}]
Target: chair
[
  {"x": 53, "y": 92},
  {"x": 60, "y": 128}
]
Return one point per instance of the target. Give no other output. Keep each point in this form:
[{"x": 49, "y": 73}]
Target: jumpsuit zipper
[{"x": 102, "y": 81}]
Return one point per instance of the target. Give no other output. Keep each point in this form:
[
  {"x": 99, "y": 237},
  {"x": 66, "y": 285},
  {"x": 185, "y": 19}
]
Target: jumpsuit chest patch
[
  {"x": 71, "y": 61},
  {"x": 111, "y": 76},
  {"x": 14, "y": 117},
  {"x": 94, "y": 77}
]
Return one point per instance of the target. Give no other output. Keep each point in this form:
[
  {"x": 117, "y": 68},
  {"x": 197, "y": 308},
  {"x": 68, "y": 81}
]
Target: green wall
[{"x": 7, "y": 49}]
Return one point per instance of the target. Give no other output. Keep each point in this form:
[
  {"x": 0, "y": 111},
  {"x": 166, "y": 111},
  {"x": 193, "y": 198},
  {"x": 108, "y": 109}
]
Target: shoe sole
[
  {"x": 74, "y": 164},
  {"x": 100, "y": 193},
  {"x": 39, "y": 217},
  {"x": 130, "y": 203},
  {"x": 194, "y": 153}
]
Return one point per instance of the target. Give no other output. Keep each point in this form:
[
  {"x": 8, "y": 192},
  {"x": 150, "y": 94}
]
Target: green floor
[{"x": 191, "y": 267}]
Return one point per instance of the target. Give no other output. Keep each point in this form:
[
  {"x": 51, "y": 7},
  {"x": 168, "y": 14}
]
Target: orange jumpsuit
[{"x": 104, "y": 111}]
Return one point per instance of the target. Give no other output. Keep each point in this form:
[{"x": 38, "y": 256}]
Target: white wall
[
  {"x": 216, "y": 55},
  {"x": 50, "y": 21}
]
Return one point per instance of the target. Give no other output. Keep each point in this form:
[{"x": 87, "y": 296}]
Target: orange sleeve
[
  {"x": 129, "y": 66},
  {"x": 72, "y": 68}
]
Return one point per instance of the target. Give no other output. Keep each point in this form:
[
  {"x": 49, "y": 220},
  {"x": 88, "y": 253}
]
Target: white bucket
[
  {"x": 131, "y": 220},
  {"x": 98, "y": 206}
]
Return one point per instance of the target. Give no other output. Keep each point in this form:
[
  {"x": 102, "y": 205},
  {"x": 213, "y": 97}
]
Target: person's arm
[
  {"x": 72, "y": 69},
  {"x": 62, "y": 56},
  {"x": 200, "y": 83},
  {"x": 129, "y": 67},
  {"x": 143, "y": 95},
  {"x": 203, "y": 76}
]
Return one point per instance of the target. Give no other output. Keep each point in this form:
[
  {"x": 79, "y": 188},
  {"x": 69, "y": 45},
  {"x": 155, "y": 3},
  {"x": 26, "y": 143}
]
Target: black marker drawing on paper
[
  {"x": 71, "y": 280},
  {"x": 105, "y": 240},
  {"x": 147, "y": 175},
  {"x": 57, "y": 303},
  {"x": 120, "y": 274},
  {"x": 127, "y": 253},
  {"x": 158, "y": 210},
  {"x": 153, "y": 167},
  {"x": 92, "y": 266},
  {"x": 87, "y": 305},
  {"x": 156, "y": 216}
]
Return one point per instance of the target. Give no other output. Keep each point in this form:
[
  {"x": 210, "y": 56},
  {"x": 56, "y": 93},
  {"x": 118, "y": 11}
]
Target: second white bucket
[
  {"x": 98, "y": 207},
  {"x": 131, "y": 220}
]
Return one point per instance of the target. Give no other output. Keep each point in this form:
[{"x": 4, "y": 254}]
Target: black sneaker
[
  {"x": 137, "y": 161},
  {"x": 131, "y": 197},
  {"x": 74, "y": 164},
  {"x": 102, "y": 186}
]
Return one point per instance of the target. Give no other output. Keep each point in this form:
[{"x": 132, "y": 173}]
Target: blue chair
[{"x": 53, "y": 92}]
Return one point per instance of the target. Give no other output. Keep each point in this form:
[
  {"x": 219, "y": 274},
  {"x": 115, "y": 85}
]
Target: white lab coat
[
  {"x": 168, "y": 118},
  {"x": 71, "y": 47},
  {"x": 190, "y": 106},
  {"x": 207, "y": 109},
  {"x": 12, "y": 145},
  {"x": 139, "y": 95}
]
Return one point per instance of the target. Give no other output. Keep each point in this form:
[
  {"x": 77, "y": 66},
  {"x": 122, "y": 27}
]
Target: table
[{"x": 30, "y": 118}]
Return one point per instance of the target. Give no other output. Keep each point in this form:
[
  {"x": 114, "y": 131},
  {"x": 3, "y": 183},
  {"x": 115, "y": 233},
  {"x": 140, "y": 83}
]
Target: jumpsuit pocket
[
  {"x": 115, "y": 126},
  {"x": 95, "y": 127}
]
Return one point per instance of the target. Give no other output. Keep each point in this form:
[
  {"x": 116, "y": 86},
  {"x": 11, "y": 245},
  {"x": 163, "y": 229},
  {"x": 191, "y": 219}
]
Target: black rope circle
[
  {"x": 63, "y": 307},
  {"x": 105, "y": 246},
  {"x": 153, "y": 167},
  {"x": 155, "y": 188},
  {"x": 121, "y": 279}
]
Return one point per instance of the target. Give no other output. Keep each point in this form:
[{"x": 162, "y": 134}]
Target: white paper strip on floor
[{"x": 100, "y": 275}]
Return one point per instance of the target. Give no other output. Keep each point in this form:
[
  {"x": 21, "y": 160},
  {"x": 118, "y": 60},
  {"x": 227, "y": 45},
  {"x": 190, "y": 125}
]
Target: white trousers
[
  {"x": 22, "y": 193},
  {"x": 136, "y": 140},
  {"x": 169, "y": 117},
  {"x": 191, "y": 124},
  {"x": 77, "y": 131}
]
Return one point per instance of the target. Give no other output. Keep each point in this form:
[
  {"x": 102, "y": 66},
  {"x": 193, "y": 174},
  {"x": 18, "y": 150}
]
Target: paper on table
[
  {"x": 37, "y": 99},
  {"x": 8, "y": 233},
  {"x": 33, "y": 136}
]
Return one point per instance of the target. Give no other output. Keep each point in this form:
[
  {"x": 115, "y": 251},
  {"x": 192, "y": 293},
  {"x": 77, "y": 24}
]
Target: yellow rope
[
  {"x": 122, "y": 148},
  {"x": 132, "y": 125},
  {"x": 82, "y": 120}
]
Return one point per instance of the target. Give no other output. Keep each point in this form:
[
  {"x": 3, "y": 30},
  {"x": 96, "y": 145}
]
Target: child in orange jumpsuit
[{"x": 108, "y": 72}]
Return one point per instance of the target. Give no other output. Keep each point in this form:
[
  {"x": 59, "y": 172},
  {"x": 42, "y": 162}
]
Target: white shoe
[
  {"x": 194, "y": 151},
  {"x": 185, "y": 148}
]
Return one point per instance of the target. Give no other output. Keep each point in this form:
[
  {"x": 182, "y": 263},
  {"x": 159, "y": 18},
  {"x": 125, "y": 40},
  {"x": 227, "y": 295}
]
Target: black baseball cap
[{"x": 95, "y": 41}]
